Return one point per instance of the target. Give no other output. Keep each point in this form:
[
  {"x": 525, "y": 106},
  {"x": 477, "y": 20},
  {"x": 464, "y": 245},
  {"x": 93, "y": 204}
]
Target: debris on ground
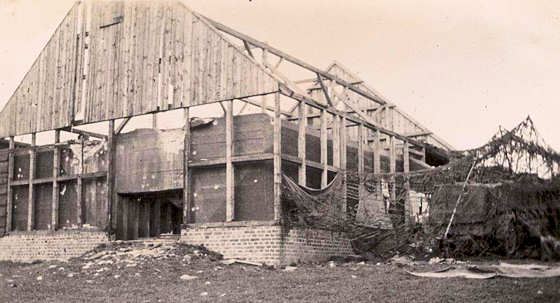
[
  {"x": 402, "y": 260},
  {"x": 491, "y": 271},
  {"x": 233, "y": 261}
]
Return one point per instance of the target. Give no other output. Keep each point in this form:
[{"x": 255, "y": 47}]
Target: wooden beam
[
  {"x": 277, "y": 138},
  {"x": 230, "y": 181},
  {"x": 363, "y": 118},
  {"x": 302, "y": 123},
  {"x": 277, "y": 65},
  {"x": 223, "y": 109},
  {"x": 79, "y": 186},
  {"x": 245, "y": 104},
  {"x": 248, "y": 49},
  {"x": 325, "y": 92},
  {"x": 85, "y": 133},
  {"x": 336, "y": 141},
  {"x": 419, "y": 134},
  {"x": 234, "y": 159},
  {"x": 187, "y": 201},
  {"x": 122, "y": 125},
  {"x": 154, "y": 121},
  {"x": 292, "y": 59},
  {"x": 324, "y": 148},
  {"x": 9, "y": 213},
  {"x": 343, "y": 160},
  {"x": 392, "y": 168},
  {"x": 270, "y": 108},
  {"x": 55, "y": 173},
  {"x": 406, "y": 169},
  {"x": 111, "y": 174},
  {"x": 361, "y": 136},
  {"x": 31, "y": 196},
  {"x": 377, "y": 164}
]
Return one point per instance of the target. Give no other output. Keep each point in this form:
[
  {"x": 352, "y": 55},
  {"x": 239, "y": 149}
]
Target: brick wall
[
  {"x": 267, "y": 243},
  {"x": 314, "y": 245},
  {"x": 48, "y": 245}
]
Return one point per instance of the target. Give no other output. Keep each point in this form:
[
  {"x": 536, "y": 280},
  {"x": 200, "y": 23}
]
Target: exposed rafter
[
  {"x": 324, "y": 89},
  {"x": 292, "y": 59}
]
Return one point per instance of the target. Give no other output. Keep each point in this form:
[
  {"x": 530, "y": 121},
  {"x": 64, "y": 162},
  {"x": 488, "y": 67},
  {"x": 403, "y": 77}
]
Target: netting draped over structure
[{"x": 508, "y": 205}]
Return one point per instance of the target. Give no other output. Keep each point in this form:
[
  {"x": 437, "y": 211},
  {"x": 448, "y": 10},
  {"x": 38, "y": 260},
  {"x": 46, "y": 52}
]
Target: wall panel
[{"x": 114, "y": 59}]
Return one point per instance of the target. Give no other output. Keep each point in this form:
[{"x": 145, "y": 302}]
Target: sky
[{"x": 461, "y": 68}]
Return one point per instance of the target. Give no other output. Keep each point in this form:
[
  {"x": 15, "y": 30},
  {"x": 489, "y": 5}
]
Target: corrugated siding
[{"x": 136, "y": 58}]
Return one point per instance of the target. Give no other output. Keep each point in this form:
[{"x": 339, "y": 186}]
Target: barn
[{"x": 77, "y": 171}]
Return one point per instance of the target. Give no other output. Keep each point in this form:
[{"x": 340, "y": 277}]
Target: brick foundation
[
  {"x": 267, "y": 243},
  {"x": 48, "y": 245}
]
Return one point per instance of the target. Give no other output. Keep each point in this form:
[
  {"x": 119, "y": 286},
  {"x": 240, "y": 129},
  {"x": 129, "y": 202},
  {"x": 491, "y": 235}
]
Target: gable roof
[{"x": 115, "y": 59}]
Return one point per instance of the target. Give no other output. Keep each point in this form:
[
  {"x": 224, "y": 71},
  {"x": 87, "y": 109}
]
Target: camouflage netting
[{"x": 499, "y": 199}]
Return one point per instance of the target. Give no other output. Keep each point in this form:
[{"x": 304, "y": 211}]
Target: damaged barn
[{"x": 256, "y": 166}]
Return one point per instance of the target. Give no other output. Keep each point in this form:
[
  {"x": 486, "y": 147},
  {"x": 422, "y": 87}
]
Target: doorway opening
[{"x": 149, "y": 215}]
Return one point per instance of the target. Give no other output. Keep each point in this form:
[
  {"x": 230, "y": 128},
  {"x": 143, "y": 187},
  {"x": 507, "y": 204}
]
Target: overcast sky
[{"x": 460, "y": 67}]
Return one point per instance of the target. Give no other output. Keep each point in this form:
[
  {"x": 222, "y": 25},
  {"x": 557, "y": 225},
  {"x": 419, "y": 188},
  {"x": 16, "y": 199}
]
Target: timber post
[
  {"x": 9, "y": 213},
  {"x": 277, "y": 160},
  {"x": 110, "y": 173},
  {"x": 55, "y": 173},
  {"x": 31, "y": 198},
  {"x": 187, "y": 201}
]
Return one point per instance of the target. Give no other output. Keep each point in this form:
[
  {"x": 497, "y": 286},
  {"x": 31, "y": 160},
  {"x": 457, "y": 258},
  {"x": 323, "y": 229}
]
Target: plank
[
  {"x": 230, "y": 178},
  {"x": 277, "y": 161},
  {"x": 377, "y": 163},
  {"x": 343, "y": 160},
  {"x": 187, "y": 173},
  {"x": 406, "y": 168},
  {"x": 79, "y": 182},
  {"x": 336, "y": 141},
  {"x": 302, "y": 123},
  {"x": 361, "y": 136},
  {"x": 324, "y": 146},
  {"x": 9, "y": 193},
  {"x": 31, "y": 199},
  {"x": 55, "y": 191},
  {"x": 110, "y": 173},
  {"x": 392, "y": 168}
]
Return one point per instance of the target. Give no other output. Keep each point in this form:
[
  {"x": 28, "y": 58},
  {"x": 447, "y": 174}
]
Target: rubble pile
[{"x": 121, "y": 255}]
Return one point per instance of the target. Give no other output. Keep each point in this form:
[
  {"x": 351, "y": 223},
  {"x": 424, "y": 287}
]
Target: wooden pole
[
  {"x": 31, "y": 199},
  {"x": 336, "y": 141},
  {"x": 343, "y": 147},
  {"x": 324, "y": 146},
  {"x": 377, "y": 164},
  {"x": 154, "y": 121},
  {"x": 392, "y": 168},
  {"x": 277, "y": 159},
  {"x": 361, "y": 136},
  {"x": 406, "y": 166},
  {"x": 9, "y": 189},
  {"x": 302, "y": 122},
  {"x": 55, "y": 173},
  {"x": 110, "y": 172},
  {"x": 230, "y": 181},
  {"x": 79, "y": 185},
  {"x": 187, "y": 201}
]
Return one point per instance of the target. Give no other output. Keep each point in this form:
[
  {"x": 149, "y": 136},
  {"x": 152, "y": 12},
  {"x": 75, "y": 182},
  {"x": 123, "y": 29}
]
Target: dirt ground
[{"x": 192, "y": 274}]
